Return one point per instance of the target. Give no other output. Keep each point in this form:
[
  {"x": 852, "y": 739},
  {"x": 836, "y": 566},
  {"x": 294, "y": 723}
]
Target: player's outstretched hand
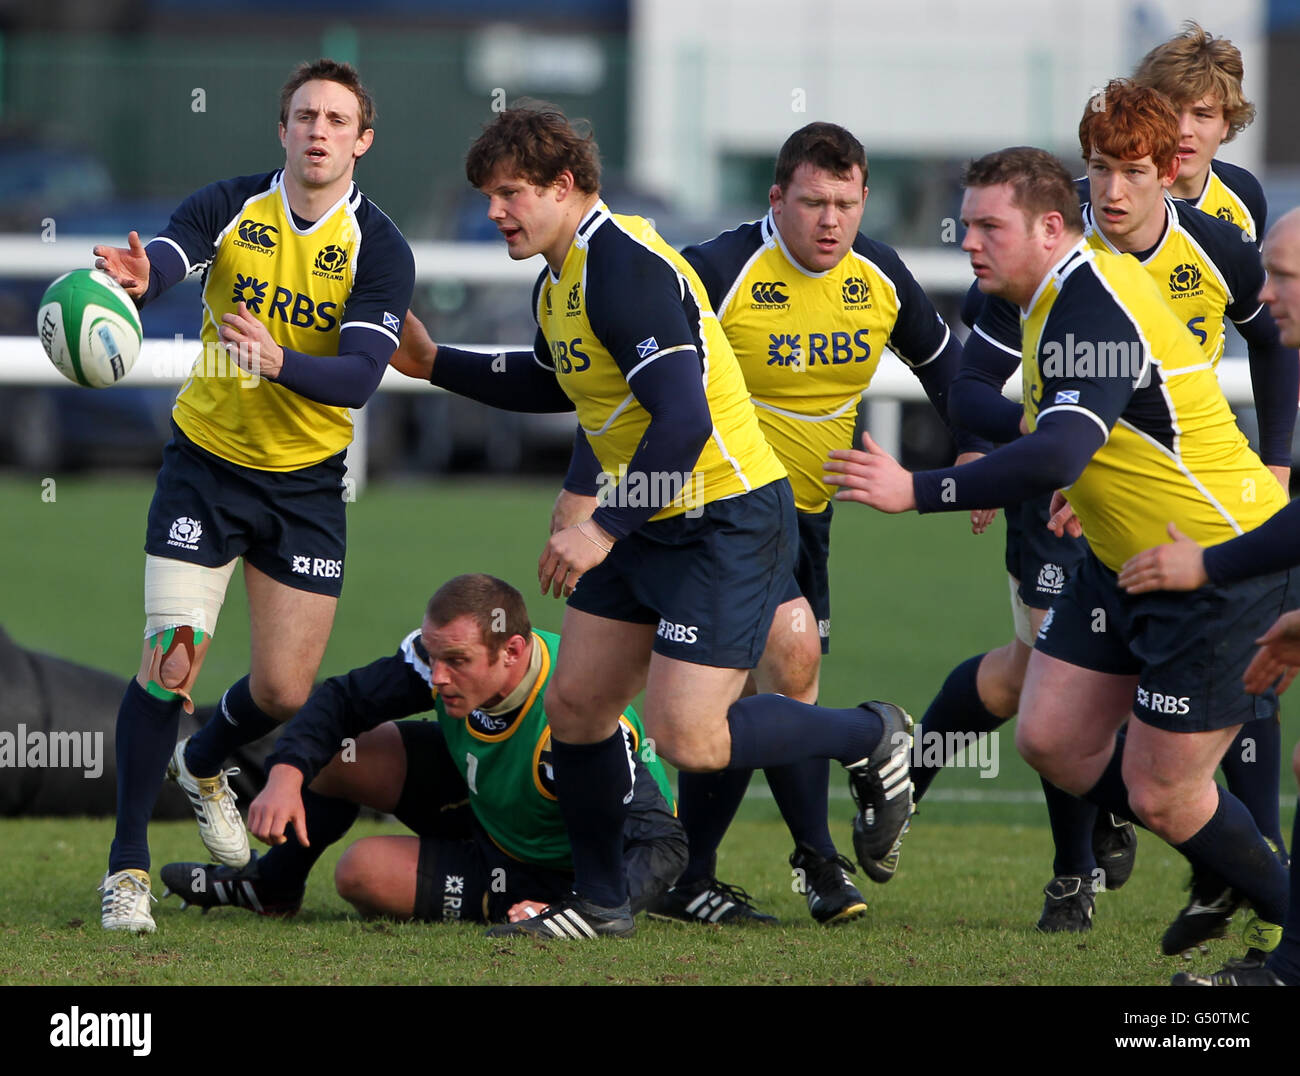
[
  {"x": 278, "y": 806},
  {"x": 1279, "y": 656},
  {"x": 570, "y": 554},
  {"x": 525, "y": 909},
  {"x": 570, "y": 509},
  {"x": 1180, "y": 565},
  {"x": 249, "y": 343},
  {"x": 980, "y": 518},
  {"x": 128, "y": 265},
  {"x": 872, "y": 477},
  {"x": 1061, "y": 519},
  {"x": 415, "y": 354}
]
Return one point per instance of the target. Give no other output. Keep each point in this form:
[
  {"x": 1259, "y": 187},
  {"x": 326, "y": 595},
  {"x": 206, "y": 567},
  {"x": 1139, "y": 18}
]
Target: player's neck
[
  {"x": 311, "y": 203},
  {"x": 559, "y": 250},
  {"x": 1190, "y": 186},
  {"x": 1141, "y": 238},
  {"x": 1050, "y": 260}
]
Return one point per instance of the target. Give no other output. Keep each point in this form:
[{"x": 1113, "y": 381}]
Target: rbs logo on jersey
[
  {"x": 303, "y": 313},
  {"x": 568, "y": 357},
  {"x": 829, "y": 349}
]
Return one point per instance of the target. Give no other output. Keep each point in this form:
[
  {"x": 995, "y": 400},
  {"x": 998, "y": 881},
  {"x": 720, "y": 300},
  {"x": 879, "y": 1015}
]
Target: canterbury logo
[
  {"x": 1184, "y": 277},
  {"x": 769, "y": 293},
  {"x": 258, "y": 234}
]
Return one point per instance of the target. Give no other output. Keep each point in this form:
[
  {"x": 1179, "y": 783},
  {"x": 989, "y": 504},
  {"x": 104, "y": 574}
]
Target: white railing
[{"x": 161, "y": 362}]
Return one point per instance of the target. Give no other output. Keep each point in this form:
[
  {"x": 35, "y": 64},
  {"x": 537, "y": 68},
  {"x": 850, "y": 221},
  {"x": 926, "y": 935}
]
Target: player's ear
[
  {"x": 774, "y": 194},
  {"x": 516, "y": 647},
  {"x": 563, "y": 185},
  {"x": 281, "y": 129},
  {"x": 1171, "y": 173},
  {"x": 363, "y": 142},
  {"x": 1053, "y": 225}
]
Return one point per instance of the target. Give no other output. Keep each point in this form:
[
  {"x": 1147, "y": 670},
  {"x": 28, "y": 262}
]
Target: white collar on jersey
[
  {"x": 1171, "y": 225},
  {"x": 595, "y": 217},
  {"x": 1076, "y": 256}
]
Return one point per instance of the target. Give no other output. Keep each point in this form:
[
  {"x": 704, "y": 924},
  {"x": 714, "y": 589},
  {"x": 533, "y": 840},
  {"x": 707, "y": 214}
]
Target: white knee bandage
[
  {"x": 1020, "y": 614},
  {"x": 177, "y": 594}
]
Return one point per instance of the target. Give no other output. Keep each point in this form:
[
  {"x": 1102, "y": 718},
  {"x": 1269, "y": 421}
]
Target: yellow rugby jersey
[
  {"x": 809, "y": 343},
  {"x": 622, "y": 298},
  {"x": 304, "y": 282},
  {"x": 1099, "y": 339},
  {"x": 1203, "y": 269},
  {"x": 1234, "y": 195}
]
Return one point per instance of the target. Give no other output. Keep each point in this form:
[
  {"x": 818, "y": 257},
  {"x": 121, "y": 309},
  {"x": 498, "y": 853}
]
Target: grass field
[{"x": 912, "y": 598}]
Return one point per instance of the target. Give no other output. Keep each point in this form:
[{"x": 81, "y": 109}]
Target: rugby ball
[{"x": 90, "y": 328}]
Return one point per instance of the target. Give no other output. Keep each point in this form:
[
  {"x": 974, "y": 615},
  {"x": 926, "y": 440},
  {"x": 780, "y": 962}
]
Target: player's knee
[
  {"x": 354, "y": 877},
  {"x": 279, "y": 701},
  {"x": 1001, "y": 680},
  {"x": 696, "y": 754},
  {"x": 1041, "y": 749},
  {"x": 1153, "y": 803},
  {"x": 171, "y": 662},
  {"x": 797, "y": 673},
  {"x": 571, "y": 717}
]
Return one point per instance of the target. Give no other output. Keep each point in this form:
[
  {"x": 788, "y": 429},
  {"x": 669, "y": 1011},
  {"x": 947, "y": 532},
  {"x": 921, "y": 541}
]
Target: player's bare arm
[
  {"x": 415, "y": 354},
  {"x": 128, "y": 265},
  {"x": 1062, "y": 520},
  {"x": 980, "y": 518},
  {"x": 1278, "y": 659},
  {"x": 1180, "y": 565},
  {"x": 250, "y": 343},
  {"x": 872, "y": 477},
  {"x": 570, "y": 553},
  {"x": 278, "y": 806}
]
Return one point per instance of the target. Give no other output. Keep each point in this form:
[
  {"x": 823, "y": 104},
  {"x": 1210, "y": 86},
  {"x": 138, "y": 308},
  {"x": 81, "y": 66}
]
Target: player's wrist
[
  {"x": 597, "y": 535},
  {"x": 286, "y": 776}
]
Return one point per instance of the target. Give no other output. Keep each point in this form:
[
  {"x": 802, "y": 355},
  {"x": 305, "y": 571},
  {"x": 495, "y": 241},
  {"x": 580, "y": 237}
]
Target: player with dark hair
[
  {"x": 1125, "y": 412},
  {"x": 474, "y": 784},
  {"x": 674, "y": 579},
  {"x": 304, "y": 285},
  {"x": 808, "y": 304},
  {"x": 1184, "y": 565},
  {"x": 1128, "y": 137},
  {"x": 1201, "y": 74}
]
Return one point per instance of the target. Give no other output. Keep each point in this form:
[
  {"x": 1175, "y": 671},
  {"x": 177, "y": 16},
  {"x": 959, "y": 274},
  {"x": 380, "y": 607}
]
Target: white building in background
[{"x": 923, "y": 78}]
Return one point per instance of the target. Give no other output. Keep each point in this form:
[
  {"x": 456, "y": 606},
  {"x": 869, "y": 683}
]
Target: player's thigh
[
  {"x": 378, "y": 875},
  {"x": 791, "y": 659},
  {"x": 1158, "y": 758},
  {"x": 370, "y": 771},
  {"x": 599, "y": 670},
  {"x": 686, "y": 711},
  {"x": 1170, "y": 776},
  {"x": 1295, "y": 763},
  {"x": 1067, "y": 711},
  {"x": 289, "y": 630}
]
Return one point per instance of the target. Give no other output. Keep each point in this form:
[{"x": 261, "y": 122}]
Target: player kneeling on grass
[{"x": 474, "y": 784}]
